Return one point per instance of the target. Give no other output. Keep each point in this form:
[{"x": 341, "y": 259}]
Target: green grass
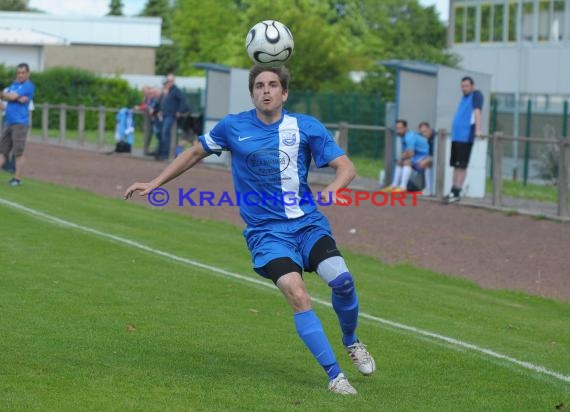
[
  {"x": 204, "y": 341},
  {"x": 543, "y": 193},
  {"x": 367, "y": 167}
]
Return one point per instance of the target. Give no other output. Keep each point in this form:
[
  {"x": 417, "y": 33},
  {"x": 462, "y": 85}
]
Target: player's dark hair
[
  {"x": 24, "y": 66},
  {"x": 404, "y": 122},
  {"x": 468, "y": 79},
  {"x": 422, "y": 124},
  {"x": 282, "y": 72}
]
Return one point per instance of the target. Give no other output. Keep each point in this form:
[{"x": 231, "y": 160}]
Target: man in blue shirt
[
  {"x": 466, "y": 125},
  {"x": 415, "y": 154},
  {"x": 17, "y": 120},
  {"x": 286, "y": 233}
]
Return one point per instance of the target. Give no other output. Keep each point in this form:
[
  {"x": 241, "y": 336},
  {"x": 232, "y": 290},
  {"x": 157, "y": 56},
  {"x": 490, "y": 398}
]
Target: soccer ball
[{"x": 269, "y": 43}]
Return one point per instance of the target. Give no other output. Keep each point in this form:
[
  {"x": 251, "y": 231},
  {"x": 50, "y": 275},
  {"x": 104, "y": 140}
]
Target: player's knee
[
  {"x": 342, "y": 285},
  {"x": 300, "y": 298}
]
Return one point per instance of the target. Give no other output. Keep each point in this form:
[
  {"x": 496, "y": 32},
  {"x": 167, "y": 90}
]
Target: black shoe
[
  {"x": 15, "y": 182},
  {"x": 451, "y": 198}
]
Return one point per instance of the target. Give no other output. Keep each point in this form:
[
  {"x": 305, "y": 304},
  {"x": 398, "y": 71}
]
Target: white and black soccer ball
[{"x": 269, "y": 43}]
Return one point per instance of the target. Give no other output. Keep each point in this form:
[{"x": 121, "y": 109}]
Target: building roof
[
  {"x": 411, "y": 65},
  {"x": 213, "y": 67},
  {"x": 108, "y": 30},
  {"x": 29, "y": 37}
]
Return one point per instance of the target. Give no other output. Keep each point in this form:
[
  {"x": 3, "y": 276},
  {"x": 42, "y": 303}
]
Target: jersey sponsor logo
[
  {"x": 241, "y": 139},
  {"x": 288, "y": 138},
  {"x": 267, "y": 162}
]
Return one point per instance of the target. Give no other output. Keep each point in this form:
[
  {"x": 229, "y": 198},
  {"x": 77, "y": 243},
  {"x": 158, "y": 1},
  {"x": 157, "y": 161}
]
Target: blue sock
[
  {"x": 312, "y": 334},
  {"x": 346, "y": 308}
]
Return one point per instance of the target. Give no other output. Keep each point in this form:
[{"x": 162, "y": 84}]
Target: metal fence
[
  {"x": 91, "y": 126},
  {"x": 351, "y": 137},
  {"x": 543, "y": 117}
]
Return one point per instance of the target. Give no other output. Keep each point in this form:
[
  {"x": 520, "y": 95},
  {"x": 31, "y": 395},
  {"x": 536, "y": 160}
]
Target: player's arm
[
  {"x": 477, "y": 115},
  {"x": 344, "y": 174},
  {"x": 182, "y": 163},
  {"x": 477, "y": 106},
  {"x": 10, "y": 96}
]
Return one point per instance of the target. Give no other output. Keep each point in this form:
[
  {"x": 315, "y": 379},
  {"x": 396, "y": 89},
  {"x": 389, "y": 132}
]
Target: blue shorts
[
  {"x": 292, "y": 239},
  {"x": 417, "y": 158}
]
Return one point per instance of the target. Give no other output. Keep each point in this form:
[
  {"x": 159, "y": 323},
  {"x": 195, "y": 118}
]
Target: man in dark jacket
[{"x": 172, "y": 105}]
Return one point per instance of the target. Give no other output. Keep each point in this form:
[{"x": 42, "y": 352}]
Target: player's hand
[
  {"x": 144, "y": 188},
  {"x": 479, "y": 134},
  {"x": 326, "y": 197}
]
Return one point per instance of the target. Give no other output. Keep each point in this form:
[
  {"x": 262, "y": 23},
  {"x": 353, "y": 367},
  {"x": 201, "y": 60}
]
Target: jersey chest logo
[{"x": 288, "y": 138}]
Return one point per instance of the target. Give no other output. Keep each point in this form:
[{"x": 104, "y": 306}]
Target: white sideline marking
[{"x": 489, "y": 352}]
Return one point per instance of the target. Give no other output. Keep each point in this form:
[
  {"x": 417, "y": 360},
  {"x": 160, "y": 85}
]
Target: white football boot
[
  {"x": 341, "y": 385},
  {"x": 361, "y": 358}
]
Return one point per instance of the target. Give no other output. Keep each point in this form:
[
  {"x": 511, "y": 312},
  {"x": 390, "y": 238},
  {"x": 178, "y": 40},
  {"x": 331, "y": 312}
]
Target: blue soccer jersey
[
  {"x": 270, "y": 163},
  {"x": 415, "y": 142},
  {"x": 16, "y": 112},
  {"x": 463, "y": 126}
]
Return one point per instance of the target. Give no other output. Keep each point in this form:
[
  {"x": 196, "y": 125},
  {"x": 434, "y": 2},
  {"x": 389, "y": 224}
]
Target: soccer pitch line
[{"x": 411, "y": 329}]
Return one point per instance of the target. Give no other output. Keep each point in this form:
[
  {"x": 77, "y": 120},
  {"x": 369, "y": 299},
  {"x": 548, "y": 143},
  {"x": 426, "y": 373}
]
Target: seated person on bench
[{"x": 415, "y": 154}]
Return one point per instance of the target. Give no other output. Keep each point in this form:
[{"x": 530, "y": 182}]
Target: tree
[
  {"x": 167, "y": 56},
  {"x": 14, "y": 5},
  {"x": 332, "y": 37},
  {"x": 115, "y": 8},
  {"x": 159, "y": 8}
]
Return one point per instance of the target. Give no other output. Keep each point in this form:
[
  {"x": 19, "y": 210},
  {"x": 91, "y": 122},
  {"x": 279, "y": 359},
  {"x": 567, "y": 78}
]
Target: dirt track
[{"x": 495, "y": 250}]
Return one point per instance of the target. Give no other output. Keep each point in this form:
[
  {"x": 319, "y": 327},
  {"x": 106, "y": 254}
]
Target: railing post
[
  {"x": 565, "y": 119},
  {"x": 173, "y": 139},
  {"x": 62, "y": 122},
  {"x": 440, "y": 165},
  {"x": 81, "y": 124},
  {"x": 563, "y": 179},
  {"x": 388, "y": 157},
  {"x": 497, "y": 169},
  {"x": 101, "y": 135},
  {"x": 527, "y": 143},
  {"x": 45, "y": 121},
  {"x": 343, "y": 136}
]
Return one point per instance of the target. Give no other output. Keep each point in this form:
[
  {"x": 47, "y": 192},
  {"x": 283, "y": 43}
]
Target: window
[
  {"x": 559, "y": 27},
  {"x": 544, "y": 20},
  {"x": 459, "y": 24},
  {"x": 471, "y": 24},
  {"x": 498, "y": 17},
  {"x": 527, "y": 21},
  {"x": 486, "y": 23},
  {"x": 513, "y": 10}
]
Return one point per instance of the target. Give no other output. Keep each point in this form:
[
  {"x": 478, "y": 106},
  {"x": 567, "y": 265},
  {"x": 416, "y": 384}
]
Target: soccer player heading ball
[{"x": 271, "y": 153}]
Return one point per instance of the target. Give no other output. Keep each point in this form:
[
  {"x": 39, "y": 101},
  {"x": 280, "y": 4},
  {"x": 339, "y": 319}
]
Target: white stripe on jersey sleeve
[{"x": 212, "y": 145}]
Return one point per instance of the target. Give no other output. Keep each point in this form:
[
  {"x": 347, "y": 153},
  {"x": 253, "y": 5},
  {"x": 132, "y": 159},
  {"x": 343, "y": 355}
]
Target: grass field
[{"x": 89, "y": 321}]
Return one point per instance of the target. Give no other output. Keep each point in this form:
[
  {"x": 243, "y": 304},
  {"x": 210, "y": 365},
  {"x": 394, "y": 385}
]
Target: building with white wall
[{"x": 110, "y": 44}]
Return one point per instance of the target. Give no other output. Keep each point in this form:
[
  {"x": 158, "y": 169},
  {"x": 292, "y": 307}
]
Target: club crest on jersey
[{"x": 289, "y": 138}]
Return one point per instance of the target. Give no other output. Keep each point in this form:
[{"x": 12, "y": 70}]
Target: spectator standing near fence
[
  {"x": 172, "y": 105},
  {"x": 466, "y": 126},
  {"x": 16, "y": 120},
  {"x": 427, "y": 132}
]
